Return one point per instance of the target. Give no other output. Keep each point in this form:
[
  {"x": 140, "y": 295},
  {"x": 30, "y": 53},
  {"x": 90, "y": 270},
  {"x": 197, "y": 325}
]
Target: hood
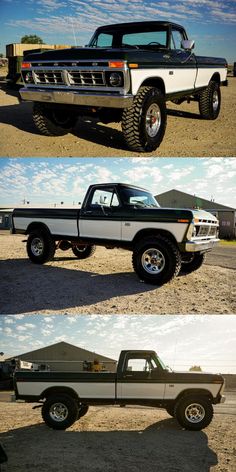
[
  {"x": 93, "y": 54},
  {"x": 196, "y": 377},
  {"x": 204, "y": 215}
]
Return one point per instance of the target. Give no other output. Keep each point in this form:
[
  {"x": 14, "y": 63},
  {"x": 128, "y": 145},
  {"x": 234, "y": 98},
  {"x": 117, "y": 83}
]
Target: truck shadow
[
  {"x": 32, "y": 288},
  {"x": 162, "y": 447},
  {"x": 86, "y": 128}
]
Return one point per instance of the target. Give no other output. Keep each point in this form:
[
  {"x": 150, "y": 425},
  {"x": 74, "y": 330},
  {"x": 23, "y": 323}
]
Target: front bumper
[
  {"x": 73, "y": 97},
  {"x": 197, "y": 246}
]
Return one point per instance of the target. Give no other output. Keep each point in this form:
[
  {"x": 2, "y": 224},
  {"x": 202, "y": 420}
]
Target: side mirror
[{"x": 187, "y": 44}]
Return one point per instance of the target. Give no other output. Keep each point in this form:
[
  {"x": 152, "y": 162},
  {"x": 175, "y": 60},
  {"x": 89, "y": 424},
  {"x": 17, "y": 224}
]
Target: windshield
[
  {"x": 159, "y": 361},
  {"x": 138, "y": 198},
  {"x": 141, "y": 38}
]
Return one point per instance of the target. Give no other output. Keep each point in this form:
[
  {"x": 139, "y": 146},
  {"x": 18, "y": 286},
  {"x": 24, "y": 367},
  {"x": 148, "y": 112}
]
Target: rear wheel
[
  {"x": 40, "y": 247},
  {"x": 192, "y": 262},
  {"x": 83, "y": 410},
  {"x": 144, "y": 123},
  {"x": 156, "y": 260},
  {"x": 82, "y": 252},
  {"x": 210, "y": 101},
  {"x": 60, "y": 412},
  {"x": 194, "y": 413},
  {"x": 52, "y": 122}
]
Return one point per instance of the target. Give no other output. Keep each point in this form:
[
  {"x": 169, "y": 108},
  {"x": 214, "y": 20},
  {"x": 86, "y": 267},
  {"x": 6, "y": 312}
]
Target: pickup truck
[
  {"x": 141, "y": 378},
  {"x": 126, "y": 74},
  {"x": 163, "y": 240}
]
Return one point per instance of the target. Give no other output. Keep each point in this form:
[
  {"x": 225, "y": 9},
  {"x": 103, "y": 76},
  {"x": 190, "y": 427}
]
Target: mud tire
[
  {"x": 45, "y": 244},
  {"x": 170, "y": 256},
  {"x": 210, "y": 101},
  {"x": 134, "y": 120},
  {"x": 51, "y": 122}
]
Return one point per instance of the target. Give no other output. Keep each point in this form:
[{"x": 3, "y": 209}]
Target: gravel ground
[
  {"x": 105, "y": 284},
  {"x": 186, "y": 134},
  {"x": 114, "y": 439}
]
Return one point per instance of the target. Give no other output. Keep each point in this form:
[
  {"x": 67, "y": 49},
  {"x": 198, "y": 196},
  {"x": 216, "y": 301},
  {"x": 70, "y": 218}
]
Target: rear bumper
[
  {"x": 69, "y": 97},
  {"x": 198, "y": 246}
]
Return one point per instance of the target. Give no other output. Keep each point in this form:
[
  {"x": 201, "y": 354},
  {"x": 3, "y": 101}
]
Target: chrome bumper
[
  {"x": 76, "y": 98},
  {"x": 196, "y": 246}
]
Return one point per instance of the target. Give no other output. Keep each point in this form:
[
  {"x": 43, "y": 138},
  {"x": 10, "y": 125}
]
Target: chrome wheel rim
[
  {"x": 37, "y": 246},
  {"x": 80, "y": 248},
  {"x": 215, "y": 100},
  {"x": 58, "y": 412},
  {"x": 194, "y": 413},
  {"x": 153, "y": 120},
  {"x": 153, "y": 261}
]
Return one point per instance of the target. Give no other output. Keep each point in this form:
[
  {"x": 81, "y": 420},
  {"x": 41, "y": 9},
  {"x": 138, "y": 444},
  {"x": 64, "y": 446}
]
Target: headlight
[
  {"x": 116, "y": 79},
  {"x": 28, "y": 77},
  {"x": 194, "y": 234}
]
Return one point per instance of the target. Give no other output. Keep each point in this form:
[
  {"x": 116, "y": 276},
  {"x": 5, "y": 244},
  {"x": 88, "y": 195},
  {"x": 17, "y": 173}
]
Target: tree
[
  {"x": 31, "y": 39},
  {"x": 195, "y": 368}
]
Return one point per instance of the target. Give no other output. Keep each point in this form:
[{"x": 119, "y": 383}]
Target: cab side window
[
  {"x": 176, "y": 39},
  {"x": 139, "y": 365},
  {"x": 106, "y": 198}
]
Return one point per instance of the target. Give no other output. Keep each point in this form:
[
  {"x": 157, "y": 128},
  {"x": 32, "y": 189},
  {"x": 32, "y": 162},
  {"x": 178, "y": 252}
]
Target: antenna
[{"x": 73, "y": 29}]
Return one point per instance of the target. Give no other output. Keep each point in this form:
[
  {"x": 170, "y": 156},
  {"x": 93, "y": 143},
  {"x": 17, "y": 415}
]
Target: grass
[{"x": 225, "y": 242}]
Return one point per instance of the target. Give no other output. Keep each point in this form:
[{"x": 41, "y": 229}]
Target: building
[
  {"x": 226, "y": 215},
  {"x": 5, "y": 218},
  {"x": 63, "y": 356}
]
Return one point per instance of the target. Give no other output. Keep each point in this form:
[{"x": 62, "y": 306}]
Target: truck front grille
[
  {"x": 49, "y": 77},
  {"x": 86, "y": 78},
  {"x": 81, "y": 78},
  {"x": 203, "y": 231}
]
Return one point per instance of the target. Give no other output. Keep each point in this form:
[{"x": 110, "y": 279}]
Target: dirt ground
[
  {"x": 106, "y": 284},
  {"x": 186, "y": 134},
  {"x": 115, "y": 439}
]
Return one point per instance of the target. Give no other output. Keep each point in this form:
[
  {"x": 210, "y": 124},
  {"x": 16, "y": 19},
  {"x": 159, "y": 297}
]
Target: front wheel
[
  {"x": 171, "y": 410},
  {"x": 156, "y": 260},
  {"x": 210, "y": 101},
  {"x": 40, "y": 247},
  {"x": 194, "y": 413},
  {"x": 144, "y": 123},
  {"x": 60, "y": 412},
  {"x": 192, "y": 262},
  {"x": 83, "y": 252},
  {"x": 52, "y": 122}
]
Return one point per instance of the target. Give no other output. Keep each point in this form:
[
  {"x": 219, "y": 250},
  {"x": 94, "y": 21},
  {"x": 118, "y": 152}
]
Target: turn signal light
[
  {"x": 116, "y": 64},
  {"x": 183, "y": 221},
  {"x": 25, "y": 65}
]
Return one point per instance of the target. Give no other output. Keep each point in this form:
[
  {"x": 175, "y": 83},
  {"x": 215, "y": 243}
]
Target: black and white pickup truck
[
  {"x": 163, "y": 240},
  {"x": 141, "y": 378},
  {"x": 126, "y": 74}
]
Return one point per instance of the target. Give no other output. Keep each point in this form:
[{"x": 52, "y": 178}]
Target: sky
[
  {"x": 55, "y": 180},
  {"x": 180, "y": 341},
  {"x": 211, "y": 23}
]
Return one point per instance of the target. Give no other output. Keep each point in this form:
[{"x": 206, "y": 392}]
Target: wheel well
[
  {"x": 155, "y": 82},
  {"x": 58, "y": 391},
  {"x": 215, "y": 78},
  {"x": 37, "y": 226},
  {"x": 195, "y": 392},
  {"x": 153, "y": 232}
]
